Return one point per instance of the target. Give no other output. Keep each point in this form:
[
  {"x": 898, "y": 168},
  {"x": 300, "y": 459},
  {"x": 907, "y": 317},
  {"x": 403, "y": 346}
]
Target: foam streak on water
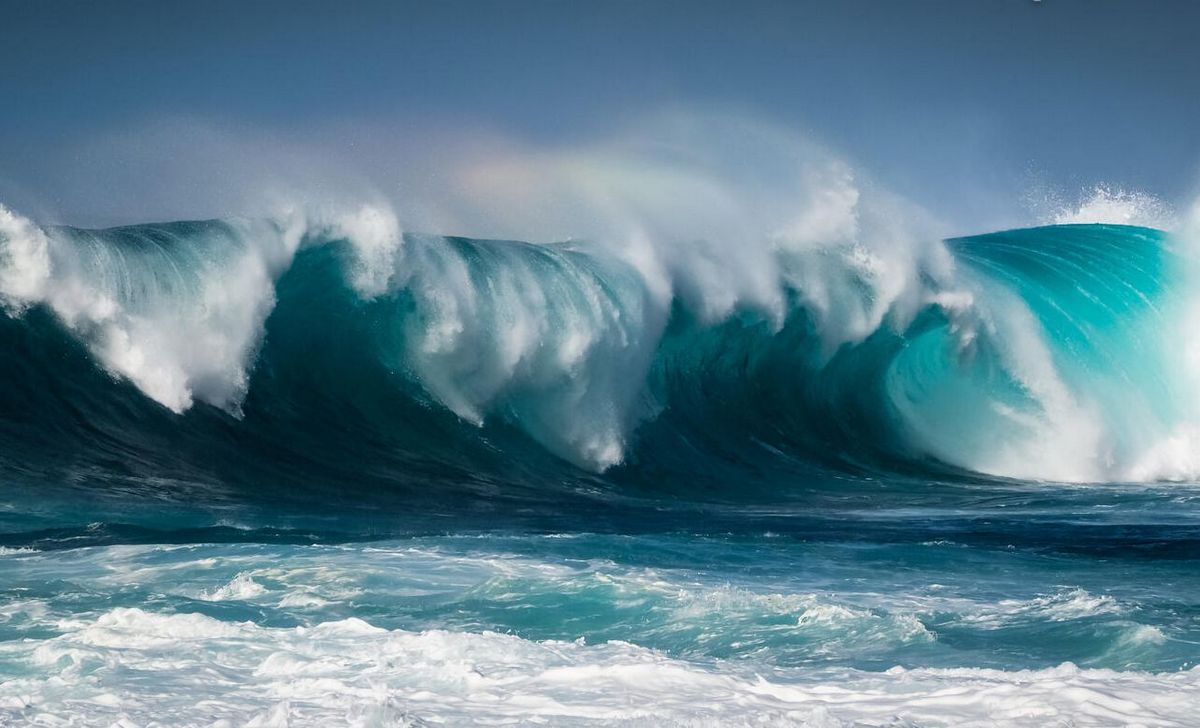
[{"x": 311, "y": 636}]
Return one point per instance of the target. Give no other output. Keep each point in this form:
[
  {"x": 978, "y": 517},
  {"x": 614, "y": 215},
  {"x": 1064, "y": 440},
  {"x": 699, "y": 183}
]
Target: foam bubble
[{"x": 241, "y": 587}]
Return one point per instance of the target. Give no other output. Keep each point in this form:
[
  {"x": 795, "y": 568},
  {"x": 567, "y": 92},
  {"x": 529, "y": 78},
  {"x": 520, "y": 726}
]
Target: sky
[{"x": 121, "y": 112}]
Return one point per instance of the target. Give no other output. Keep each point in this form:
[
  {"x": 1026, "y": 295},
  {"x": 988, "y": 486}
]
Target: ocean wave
[{"x": 1046, "y": 353}]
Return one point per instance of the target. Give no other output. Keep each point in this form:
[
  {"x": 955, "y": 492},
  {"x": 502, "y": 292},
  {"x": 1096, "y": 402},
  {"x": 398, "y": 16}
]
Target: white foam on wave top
[
  {"x": 1117, "y": 206},
  {"x": 241, "y": 587},
  {"x": 24, "y": 260},
  {"x": 350, "y": 672},
  {"x": 180, "y": 324},
  {"x": 1061, "y": 606}
]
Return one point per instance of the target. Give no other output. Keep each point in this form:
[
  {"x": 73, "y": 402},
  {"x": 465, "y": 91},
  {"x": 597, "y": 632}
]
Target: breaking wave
[{"x": 1045, "y": 353}]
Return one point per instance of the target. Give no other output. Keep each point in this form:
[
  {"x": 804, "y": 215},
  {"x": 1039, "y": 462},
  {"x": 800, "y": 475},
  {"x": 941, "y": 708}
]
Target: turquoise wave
[{"x": 205, "y": 360}]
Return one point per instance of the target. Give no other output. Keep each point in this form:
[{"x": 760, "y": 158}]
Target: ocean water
[{"x": 318, "y": 471}]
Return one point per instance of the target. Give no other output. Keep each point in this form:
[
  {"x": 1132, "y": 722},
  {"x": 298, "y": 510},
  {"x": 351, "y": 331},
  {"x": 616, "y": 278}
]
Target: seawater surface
[{"x": 260, "y": 472}]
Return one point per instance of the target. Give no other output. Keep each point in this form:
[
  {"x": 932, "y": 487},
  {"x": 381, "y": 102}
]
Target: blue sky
[{"x": 963, "y": 106}]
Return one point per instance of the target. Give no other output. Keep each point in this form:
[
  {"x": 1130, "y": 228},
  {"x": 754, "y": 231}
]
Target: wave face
[{"x": 236, "y": 353}]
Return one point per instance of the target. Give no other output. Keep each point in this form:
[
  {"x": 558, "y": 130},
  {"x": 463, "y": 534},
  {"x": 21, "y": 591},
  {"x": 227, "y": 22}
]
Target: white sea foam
[
  {"x": 822, "y": 623},
  {"x": 374, "y": 232},
  {"x": 179, "y": 324},
  {"x": 1117, "y": 206},
  {"x": 1061, "y": 606},
  {"x": 24, "y": 260},
  {"x": 241, "y": 587},
  {"x": 1176, "y": 457},
  {"x": 349, "y": 670},
  {"x": 8, "y": 551},
  {"x": 782, "y": 666}
]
